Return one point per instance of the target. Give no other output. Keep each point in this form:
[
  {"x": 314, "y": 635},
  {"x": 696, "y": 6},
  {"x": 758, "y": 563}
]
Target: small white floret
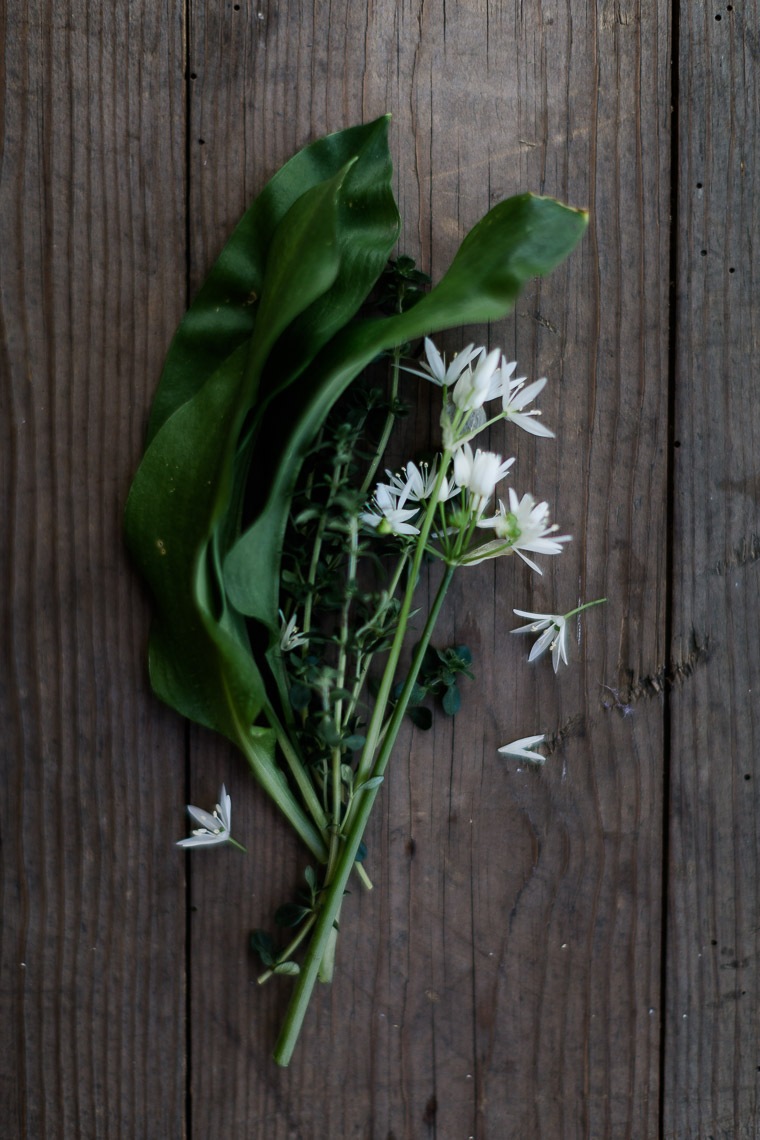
[{"x": 522, "y": 749}]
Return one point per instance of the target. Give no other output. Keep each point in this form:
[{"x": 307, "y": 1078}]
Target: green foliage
[
  {"x": 437, "y": 678},
  {"x": 266, "y": 350},
  {"x": 517, "y": 240},
  {"x": 262, "y": 944}
]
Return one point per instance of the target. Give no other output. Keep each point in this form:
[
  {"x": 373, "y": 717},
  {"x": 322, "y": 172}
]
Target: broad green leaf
[
  {"x": 303, "y": 262},
  {"x": 224, "y": 312},
  {"x": 183, "y": 487},
  {"x": 200, "y": 660},
  {"x": 517, "y": 240},
  {"x": 366, "y": 229}
]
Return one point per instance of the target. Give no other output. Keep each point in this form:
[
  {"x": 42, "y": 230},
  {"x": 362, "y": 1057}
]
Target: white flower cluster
[
  {"x": 473, "y": 378},
  {"x": 489, "y": 379}
]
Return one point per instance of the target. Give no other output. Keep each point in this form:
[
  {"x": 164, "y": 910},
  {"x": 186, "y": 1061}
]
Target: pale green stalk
[
  {"x": 272, "y": 780},
  {"x": 378, "y": 713},
  {"x": 290, "y": 949},
  {"x": 323, "y": 931},
  {"x": 317, "y": 549},
  {"x": 300, "y": 775},
  {"x": 387, "y": 427}
]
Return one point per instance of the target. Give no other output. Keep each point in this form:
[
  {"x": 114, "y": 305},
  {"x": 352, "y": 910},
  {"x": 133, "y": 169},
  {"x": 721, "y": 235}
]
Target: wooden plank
[
  {"x": 92, "y": 265},
  {"x": 712, "y": 1043},
  {"x": 503, "y": 978}
]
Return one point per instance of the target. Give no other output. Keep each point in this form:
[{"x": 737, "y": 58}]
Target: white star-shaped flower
[
  {"x": 418, "y": 483},
  {"x": 553, "y": 630},
  {"x": 515, "y": 396},
  {"x": 436, "y": 369},
  {"x": 212, "y": 829},
  {"x": 525, "y": 526},
  {"x": 522, "y": 749},
  {"x": 475, "y": 388},
  {"x": 290, "y": 638},
  {"x": 479, "y": 472},
  {"x": 390, "y": 516}
]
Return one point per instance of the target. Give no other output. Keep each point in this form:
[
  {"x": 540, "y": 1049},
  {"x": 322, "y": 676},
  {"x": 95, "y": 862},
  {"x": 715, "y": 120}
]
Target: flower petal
[{"x": 204, "y": 818}]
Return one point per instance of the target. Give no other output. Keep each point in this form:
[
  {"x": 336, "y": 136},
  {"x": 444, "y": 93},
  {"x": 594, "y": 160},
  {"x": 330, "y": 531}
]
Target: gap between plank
[{"x": 669, "y": 544}]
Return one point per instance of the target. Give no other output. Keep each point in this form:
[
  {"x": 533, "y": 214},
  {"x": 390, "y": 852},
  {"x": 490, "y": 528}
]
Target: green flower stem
[
  {"x": 317, "y": 549},
  {"x": 361, "y": 673},
  {"x": 388, "y": 426},
  {"x": 585, "y": 606},
  {"x": 337, "y": 752},
  {"x": 290, "y": 949},
  {"x": 378, "y": 713},
  {"x": 300, "y": 775},
  {"x": 273, "y": 781},
  {"x": 364, "y": 878},
  {"x": 334, "y": 896}
]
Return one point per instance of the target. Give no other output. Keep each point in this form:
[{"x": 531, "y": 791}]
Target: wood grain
[
  {"x": 91, "y": 257},
  {"x": 503, "y": 978},
  {"x": 712, "y": 1044}
]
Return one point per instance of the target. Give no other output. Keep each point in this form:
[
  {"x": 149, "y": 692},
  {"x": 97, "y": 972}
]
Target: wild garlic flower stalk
[{"x": 475, "y": 378}]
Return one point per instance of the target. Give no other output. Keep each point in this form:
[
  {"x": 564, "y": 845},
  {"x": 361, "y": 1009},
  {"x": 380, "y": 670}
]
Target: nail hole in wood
[
  {"x": 731, "y": 269},
  {"x": 703, "y": 252}
]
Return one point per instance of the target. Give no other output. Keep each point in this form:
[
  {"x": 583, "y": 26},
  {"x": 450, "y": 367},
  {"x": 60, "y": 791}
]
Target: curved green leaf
[
  {"x": 200, "y": 659},
  {"x": 224, "y": 312},
  {"x": 518, "y": 239}
]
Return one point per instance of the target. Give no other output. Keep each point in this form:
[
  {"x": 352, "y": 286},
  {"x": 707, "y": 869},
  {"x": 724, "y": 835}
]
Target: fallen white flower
[
  {"x": 554, "y": 635},
  {"x": 520, "y": 749},
  {"x": 212, "y": 829}
]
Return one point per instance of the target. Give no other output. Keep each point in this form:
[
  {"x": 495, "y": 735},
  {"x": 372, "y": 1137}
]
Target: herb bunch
[{"x": 282, "y": 556}]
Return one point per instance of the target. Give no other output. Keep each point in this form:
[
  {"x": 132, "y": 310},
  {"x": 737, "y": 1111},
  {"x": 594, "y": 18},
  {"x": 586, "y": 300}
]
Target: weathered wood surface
[
  {"x": 92, "y": 204},
  {"x": 712, "y": 1063},
  {"x": 505, "y": 978}
]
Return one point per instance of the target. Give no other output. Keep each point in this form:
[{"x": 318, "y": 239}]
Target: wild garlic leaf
[
  {"x": 518, "y": 239},
  {"x": 223, "y": 313}
]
